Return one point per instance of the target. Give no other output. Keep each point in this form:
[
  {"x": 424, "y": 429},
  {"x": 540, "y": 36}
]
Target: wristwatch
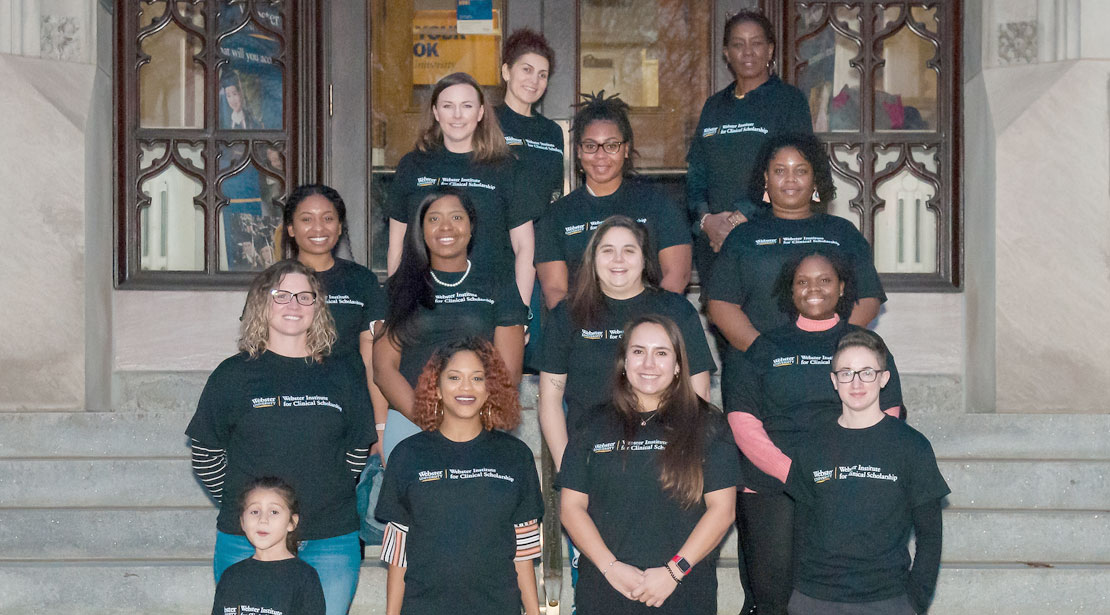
[{"x": 682, "y": 564}]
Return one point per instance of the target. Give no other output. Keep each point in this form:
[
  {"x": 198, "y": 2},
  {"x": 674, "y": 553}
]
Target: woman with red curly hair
[{"x": 462, "y": 492}]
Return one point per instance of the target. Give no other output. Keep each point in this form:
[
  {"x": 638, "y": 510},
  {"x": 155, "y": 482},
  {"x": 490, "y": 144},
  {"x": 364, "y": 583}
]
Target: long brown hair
[
  {"x": 254, "y": 331},
  {"x": 682, "y": 414},
  {"x": 502, "y": 407},
  {"x": 488, "y": 140},
  {"x": 587, "y": 301}
]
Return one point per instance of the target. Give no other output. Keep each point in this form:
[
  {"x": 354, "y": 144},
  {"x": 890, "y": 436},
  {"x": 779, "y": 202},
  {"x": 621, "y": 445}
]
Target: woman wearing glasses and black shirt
[
  {"x": 278, "y": 408},
  {"x": 604, "y": 152},
  {"x": 778, "y": 392}
]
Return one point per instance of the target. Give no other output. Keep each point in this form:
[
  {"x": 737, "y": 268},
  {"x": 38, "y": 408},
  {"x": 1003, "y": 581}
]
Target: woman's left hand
[{"x": 656, "y": 587}]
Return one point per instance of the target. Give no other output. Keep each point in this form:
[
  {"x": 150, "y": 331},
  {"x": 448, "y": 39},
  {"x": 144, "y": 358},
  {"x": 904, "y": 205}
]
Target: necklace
[
  {"x": 452, "y": 284},
  {"x": 644, "y": 422}
]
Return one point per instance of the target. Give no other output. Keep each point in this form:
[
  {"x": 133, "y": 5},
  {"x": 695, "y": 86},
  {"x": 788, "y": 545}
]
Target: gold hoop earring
[{"x": 438, "y": 412}]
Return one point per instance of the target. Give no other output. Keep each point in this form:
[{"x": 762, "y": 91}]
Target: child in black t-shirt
[
  {"x": 273, "y": 580},
  {"x": 863, "y": 481}
]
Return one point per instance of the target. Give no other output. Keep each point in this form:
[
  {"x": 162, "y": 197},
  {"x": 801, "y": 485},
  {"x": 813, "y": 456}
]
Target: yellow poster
[{"x": 439, "y": 50}]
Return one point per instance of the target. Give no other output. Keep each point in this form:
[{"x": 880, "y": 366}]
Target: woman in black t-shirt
[
  {"x": 795, "y": 170},
  {"x": 439, "y": 295},
  {"x": 618, "y": 281},
  {"x": 604, "y": 153},
  {"x": 462, "y": 146},
  {"x": 649, "y": 486},
  {"x": 279, "y": 409},
  {"x": 775, "y": 395},
  {"x": 315, "y": 219},
  {"x": 462, "y": 498}
]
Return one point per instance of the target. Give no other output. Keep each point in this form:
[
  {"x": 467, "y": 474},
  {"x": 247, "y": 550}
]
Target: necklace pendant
[{"x": 643, "y": 423}]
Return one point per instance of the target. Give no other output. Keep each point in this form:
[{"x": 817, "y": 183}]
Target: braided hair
[{"x": 600, "y": 108}]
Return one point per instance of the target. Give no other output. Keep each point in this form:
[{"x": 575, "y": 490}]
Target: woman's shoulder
[
  {"x": 670, "y": 302},
  {"x": 511, "y": 444}
]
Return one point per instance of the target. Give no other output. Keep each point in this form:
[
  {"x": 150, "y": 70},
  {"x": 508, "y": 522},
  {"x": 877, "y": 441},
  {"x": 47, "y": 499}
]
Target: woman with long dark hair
[
  {"x": 439, "y": 295},
  {"x": 604, "y": 152},
  {"x": 734, "y": 124},
  {"x": 777, "y": 393},
  {"x": 462, "y": 146},
  {"x": 462, "y": 497},
  {"x": 278, "y": 408},
  {"x": 618, "y": 281},
  {"x": 315, "y": 219},
  {"x": 649, "y": 485}
]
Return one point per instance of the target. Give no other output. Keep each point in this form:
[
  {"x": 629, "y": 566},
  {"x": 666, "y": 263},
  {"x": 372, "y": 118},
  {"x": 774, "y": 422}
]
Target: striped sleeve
[
  {"x": 356, "y": 460},
  {"x": 527, "y": 540},
  {"x": 210, "y": 466},
  {"x": 393, "y": 545}
]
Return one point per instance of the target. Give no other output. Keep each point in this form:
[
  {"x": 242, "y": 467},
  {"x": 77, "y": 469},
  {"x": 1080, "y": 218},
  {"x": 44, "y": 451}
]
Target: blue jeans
[
  {"x": 369, "y": 488},
  {"x": 397, "y": 428},
  {"x": 336, "y": 561}
]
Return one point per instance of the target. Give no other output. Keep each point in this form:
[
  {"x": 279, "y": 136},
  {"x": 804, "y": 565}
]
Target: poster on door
[{"x": 438, "y": 49}]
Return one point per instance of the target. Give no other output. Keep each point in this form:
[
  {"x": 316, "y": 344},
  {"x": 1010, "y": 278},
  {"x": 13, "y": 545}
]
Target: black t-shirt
[
  {"x": 562, "y": 234},
  {"x": 290, "y": 418},
  {"x": 355, "y": 299},
  {"x": 460, "y": 501},
  {"x": 783, "y": 380},
  {"x": 501, "y": 203},
  {"x": 640, "y": 522},
  {"x": 754, "y": 253},
  {"x": 587, "y": 354},
  {"x": 474, "y": 308},
  {"x": 728, "y": 138},
  {"x": 283, "y": 587},
  {"x": 538, "y": 143},
  {"x": 859, "y": 487}
]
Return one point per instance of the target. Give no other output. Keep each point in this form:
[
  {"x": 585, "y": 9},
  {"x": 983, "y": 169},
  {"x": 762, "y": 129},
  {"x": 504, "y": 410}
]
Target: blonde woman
[{"x": 280, "y": 408}]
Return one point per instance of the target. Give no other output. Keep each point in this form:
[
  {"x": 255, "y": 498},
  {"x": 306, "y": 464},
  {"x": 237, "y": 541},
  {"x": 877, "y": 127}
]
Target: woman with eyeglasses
[
  {"x": 734, "y": 124},
  {"x": 438, "y": 295},
  {"x": 279, "y": 408},
  {"x": 777, "y": 392},
  {"x": 604, "y": 151}
]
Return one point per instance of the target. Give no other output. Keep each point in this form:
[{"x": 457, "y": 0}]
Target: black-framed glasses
[
  {"x": 305, "y": 297},
  {"x": 867, "y": 374},
  {"x": 610, "y": 147}
]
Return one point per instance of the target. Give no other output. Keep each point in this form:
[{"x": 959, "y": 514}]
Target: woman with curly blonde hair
[
  {"x": 280, "y": 408},
  {"x": 462, "y": 498}
]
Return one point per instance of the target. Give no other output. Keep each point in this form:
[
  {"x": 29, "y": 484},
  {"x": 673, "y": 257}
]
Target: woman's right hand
[
  {"x": 624, "y": 578},
  {"x": 718, "y": 226}
]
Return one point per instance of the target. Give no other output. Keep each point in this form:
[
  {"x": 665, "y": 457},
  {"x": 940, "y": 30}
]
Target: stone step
[
  {"x": 186, "y": 587},
  {"x": 135, "y": 482},
  {"x": 126, "y": 434},
  {"x": 188, "y": 533},
  {"x": 162, "y": 434}
]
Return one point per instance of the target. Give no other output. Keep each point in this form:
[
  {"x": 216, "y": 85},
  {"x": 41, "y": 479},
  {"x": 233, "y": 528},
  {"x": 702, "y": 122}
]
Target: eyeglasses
[
  {"x": 305, "y": 297},
  {"x": 610, "y": 147},
  {"x": 844, "y": 376}
]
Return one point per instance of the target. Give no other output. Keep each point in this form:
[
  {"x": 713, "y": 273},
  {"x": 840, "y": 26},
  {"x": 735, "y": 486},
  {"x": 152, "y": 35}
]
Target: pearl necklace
[{"x": 452, "y": 284}]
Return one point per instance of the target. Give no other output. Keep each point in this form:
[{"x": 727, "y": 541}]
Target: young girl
[
  {"x": 274, "y": 580},
  {"x": 462, "y": 497},
  {"x": 865, "y": 480}
]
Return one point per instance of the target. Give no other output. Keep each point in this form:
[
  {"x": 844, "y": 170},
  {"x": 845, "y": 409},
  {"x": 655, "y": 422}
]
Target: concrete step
[
  {"x": 970, "y": 536},
  {"x": 126, "y": 434},
  {"x": 136, "y": 482},
  {"x": 162, "y": 434},
  {"x": 186, "y": 587},
  {"x": 1028, "y": 484},
  {"x": 1017, "y": 436}
]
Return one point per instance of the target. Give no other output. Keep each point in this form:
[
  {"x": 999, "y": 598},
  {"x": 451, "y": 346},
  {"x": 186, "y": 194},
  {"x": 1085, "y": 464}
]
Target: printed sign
[{"x": 439, "y": 49}]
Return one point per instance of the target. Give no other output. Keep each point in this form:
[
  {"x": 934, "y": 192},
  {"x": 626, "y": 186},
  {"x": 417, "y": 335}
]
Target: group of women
[{"x": 651, "y": 474}]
